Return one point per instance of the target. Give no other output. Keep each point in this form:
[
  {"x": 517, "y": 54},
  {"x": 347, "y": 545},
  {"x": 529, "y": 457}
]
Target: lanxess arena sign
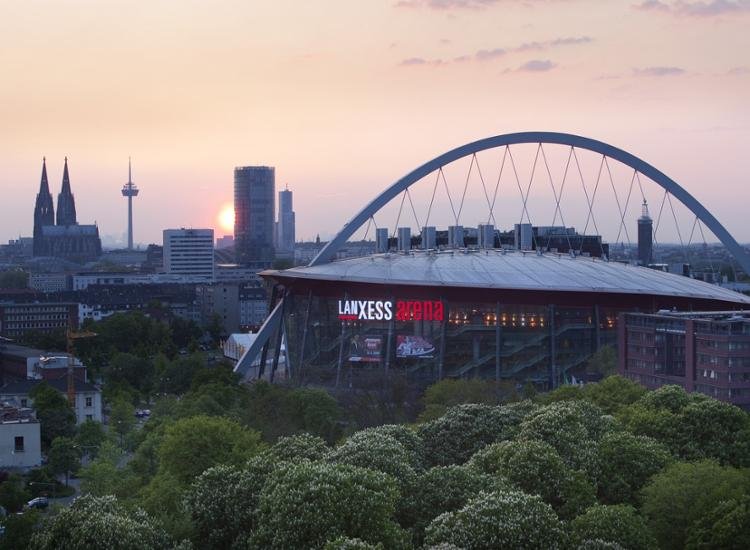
[{"x": 383, "y": 310}]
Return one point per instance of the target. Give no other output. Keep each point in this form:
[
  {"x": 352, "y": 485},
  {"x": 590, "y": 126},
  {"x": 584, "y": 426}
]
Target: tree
[
  {"x": 122, "y": 418},
  {"x": 618, "y": 524},
  {"x": 442, "y": 395},
  {"x": 464, "y": 429},
  {"x": 222, "y": 502},
  {"x": 726, "y": 526},
  {"x": 536, "y": 468},
  {"x": 304, "y": 505},
  {"x": 613, "y": 393},
  {"x": 626, "y": 462},
  {"x": 54, "y": 413},
  {"x": 192, "y": 445},
  {"x": 90, "y": 437},
  {"x": 64, "y": 457},
  {"x": 603, "y": 361},
  {"x": 13, "y": 494},
  {"x": 93, "y": 523},
  {"x": 377, "y": 451},
  {"x": 14, "y": 279},
  {"x": 688, "y": 491},
  {"x": 408, "y": 438},
  {"x": 712, "y": 429},
  {"x": 442, "y": 489},
  {"x": 126, "y": 368},
  {"x": 19, "y": 528},
  {"x": 300, "y": 446},
  {"x": 345, "y": 543},
  {"x": 497, "y": 521}
]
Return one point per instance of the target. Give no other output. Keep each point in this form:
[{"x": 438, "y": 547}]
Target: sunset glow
[{"x": 226, "y": 218}]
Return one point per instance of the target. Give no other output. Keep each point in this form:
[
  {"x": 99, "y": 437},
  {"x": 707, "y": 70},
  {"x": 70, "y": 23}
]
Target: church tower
[
  {"x": 66, "y": 204},
  {"x": 44, "y": 210}
]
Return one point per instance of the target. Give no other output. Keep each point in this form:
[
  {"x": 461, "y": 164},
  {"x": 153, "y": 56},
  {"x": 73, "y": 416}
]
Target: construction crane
[{"x": 71, "y": 336}]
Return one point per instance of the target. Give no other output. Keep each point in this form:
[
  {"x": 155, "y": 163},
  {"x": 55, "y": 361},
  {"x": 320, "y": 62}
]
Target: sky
[{"x": 344, "y": 97}]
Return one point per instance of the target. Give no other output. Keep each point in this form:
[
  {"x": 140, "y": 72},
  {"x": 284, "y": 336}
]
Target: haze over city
[{"x": 343, "y": 98}]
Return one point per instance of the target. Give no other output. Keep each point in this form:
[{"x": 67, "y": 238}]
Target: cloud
[
  {"x": 537, "y": 66},
  {"x": 566, "y": 41},
  {"x": 446, "y": 4},
  {"x": 417, "y": 61},
  {"x": 693, "y": 8},
  {"x": 488, "y": 55},
  {"x": 659, "y": 71}
]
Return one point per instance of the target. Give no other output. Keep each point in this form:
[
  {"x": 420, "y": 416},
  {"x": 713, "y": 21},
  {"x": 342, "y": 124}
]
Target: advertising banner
[
  {"x": 365, "y": 349},
  {"x": 414, "y": 346}
]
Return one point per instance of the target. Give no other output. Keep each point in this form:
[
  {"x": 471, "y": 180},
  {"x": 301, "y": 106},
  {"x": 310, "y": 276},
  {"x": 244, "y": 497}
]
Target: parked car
[{"x": 38, "y": 502}]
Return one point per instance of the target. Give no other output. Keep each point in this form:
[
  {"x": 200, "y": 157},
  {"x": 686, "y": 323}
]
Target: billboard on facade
[
  {"x": 365, "y": 349},
  {"x": 414, "y": 346}
]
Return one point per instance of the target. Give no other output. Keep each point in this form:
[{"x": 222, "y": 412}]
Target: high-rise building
[
  {"x": 254, "y": 208},
  {"x": 68, "y": 239},
  {"x": 129, "y": 190},
  {"x": 645, "y": 237},
  {"x": 189, "y": 252},
  {"x": 285, "y": 225}
]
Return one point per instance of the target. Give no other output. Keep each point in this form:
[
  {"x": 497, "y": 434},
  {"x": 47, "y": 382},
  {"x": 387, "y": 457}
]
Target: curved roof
[{"x": 510, "y": 270}]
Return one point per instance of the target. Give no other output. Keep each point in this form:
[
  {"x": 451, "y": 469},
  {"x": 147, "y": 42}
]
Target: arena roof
[{"x": 510, "y": 270}]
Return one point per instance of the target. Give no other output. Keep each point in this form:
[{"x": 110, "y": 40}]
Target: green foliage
[
  {"x": 277, "y": 411},
  {"x": 163, "y": 498},
  {"x": 408, "y": 438},
  {"x": 93, "y": 523},
  {"x": 122, "y": 418},
  {"x": 618, "y": 524},
  {"x": 345, "y": 543},
  {"x": 305, "y": 505},
  {"x": 613, "y": 393},
  {"x": 192, "y": 445},
  {"x": 626, "y": 462},
  {"x": 572, "y": 428},
  {"x": 14, "y": 278},
  {"x": 442, "y": 489},
  {"x": 442, "y": 395},
  {"x": 13, "y": 494},
  {"x": 130, "y": 370},
  {"x": 19, "y": 528},
  {"x": 536, "y": 468},
  {"x": 53, "y": 412},
  {"x": 90, "y": 437},
  {"x": 53, "y": 340},
  {"x": 727, "y": 526},
  {"x": 377, "y": 451},
  {"x": 464, "y": 429},
  {"x": 221, "y": 503},
  {"x": 298, "y": 447},
  {"x": 603, "y": 361},
  {"x": 497, "y": 521},
  {"x": 64, "y": 457},
  {"x": 688, "y": 491}
]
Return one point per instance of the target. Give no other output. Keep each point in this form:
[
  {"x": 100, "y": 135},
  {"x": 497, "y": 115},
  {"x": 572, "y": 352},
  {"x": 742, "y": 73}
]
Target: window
[
  {"x": 89, "y": 402},
  {"x": 18, "y": 443},
  {"x": 89, "y": 417},
  {"x": 24, "y": 402}
]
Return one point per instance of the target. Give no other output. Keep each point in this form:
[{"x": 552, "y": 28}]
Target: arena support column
[
  {"x": 553, "y": 375},
  {"x": 498, "y": 342}
]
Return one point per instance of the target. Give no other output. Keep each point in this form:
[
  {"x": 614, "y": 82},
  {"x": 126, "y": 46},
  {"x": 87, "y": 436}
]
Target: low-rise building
[
  {"x": 21, "y": 362},
  {"x": 20, "y": 439},
  {"x": 704, "y": 352},
  {"x": 16, "y": 318},
  {"x": 88, "y": 398}
]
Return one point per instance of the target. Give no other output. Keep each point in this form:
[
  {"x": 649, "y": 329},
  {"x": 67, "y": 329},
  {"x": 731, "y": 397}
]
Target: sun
[{"x": 226, "y": 218}]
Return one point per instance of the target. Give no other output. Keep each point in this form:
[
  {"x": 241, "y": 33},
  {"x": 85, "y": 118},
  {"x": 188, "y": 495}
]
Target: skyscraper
[
  {"x": 129, "y": 190},
  {"x": 254, "y": 208},
  {"x": 645, "y": 237},
  {"x": 66, "y": 204},
  {"x": 285, "y": 224},
  {"x": 189, "y": 252}
]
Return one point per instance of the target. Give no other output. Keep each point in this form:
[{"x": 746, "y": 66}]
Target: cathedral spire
[
  {"x": 66, "y": 205},
  {"x": 44, "y": 210}
]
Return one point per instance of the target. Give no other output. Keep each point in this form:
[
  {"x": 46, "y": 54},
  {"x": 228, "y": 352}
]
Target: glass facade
[{"x": 430, "y": 340}]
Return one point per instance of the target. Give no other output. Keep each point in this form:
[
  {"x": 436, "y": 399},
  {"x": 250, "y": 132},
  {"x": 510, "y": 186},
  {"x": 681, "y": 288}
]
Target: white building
[
  {"x": 88, "y": 398},
  {"x": 20, "y": 440},
  {"x": 189, "y": 252}
]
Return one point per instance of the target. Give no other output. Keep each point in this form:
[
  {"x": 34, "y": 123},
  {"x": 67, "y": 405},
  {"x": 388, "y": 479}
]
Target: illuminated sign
[{"x": 383, "y": 310}]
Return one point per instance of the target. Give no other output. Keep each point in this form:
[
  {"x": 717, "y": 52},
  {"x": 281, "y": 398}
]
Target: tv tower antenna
[{"x": 129, "y": 190}]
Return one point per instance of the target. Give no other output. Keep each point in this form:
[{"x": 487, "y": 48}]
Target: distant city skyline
[{"x": 347, "y": 99}]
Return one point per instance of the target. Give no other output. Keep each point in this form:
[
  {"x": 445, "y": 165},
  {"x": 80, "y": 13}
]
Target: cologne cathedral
[{"x": 62, "y": 237}]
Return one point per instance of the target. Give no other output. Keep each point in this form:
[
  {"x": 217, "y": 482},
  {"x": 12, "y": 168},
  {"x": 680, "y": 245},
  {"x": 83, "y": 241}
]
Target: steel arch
[{"x": 328, "y": 253}]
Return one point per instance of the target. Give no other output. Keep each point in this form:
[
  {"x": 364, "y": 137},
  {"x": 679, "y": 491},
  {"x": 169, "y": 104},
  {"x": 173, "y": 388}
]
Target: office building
[
  {"x": 189, "y": 252},
  {"x": 645, "y": 237},
  {"x": 704, "y": 352},
  {"x": 254, "y": 208},
  {"x": 285, "y": 225}
]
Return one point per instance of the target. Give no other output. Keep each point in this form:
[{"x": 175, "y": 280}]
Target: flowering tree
[
  {"x": 93, "y": 523},
  {"x": 306, "y": 504},
  {"x": 377, "y": 451},
  {"x": 619, "y": 524},
  {"x": 299, "y": 446},
  {"x": 500, "y": 520}
]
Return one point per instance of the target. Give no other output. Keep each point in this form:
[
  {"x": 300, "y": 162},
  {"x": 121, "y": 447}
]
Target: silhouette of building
[
  {"x": 67, "y": 239},
  {"x": 285, "y": 225},
  {"x": 129, "y": 190},
  {"x": 189, "y": 252},
  {"x": 254, "y": 208},
  {"x": 645, "y": 237}
]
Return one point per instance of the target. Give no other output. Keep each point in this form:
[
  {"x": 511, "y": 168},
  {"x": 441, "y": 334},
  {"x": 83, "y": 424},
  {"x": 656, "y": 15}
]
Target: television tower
[{"x": 129, "y": 190}]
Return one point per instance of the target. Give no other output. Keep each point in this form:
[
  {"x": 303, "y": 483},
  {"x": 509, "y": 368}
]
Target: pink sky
[{"x": 344, "y": 97}]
